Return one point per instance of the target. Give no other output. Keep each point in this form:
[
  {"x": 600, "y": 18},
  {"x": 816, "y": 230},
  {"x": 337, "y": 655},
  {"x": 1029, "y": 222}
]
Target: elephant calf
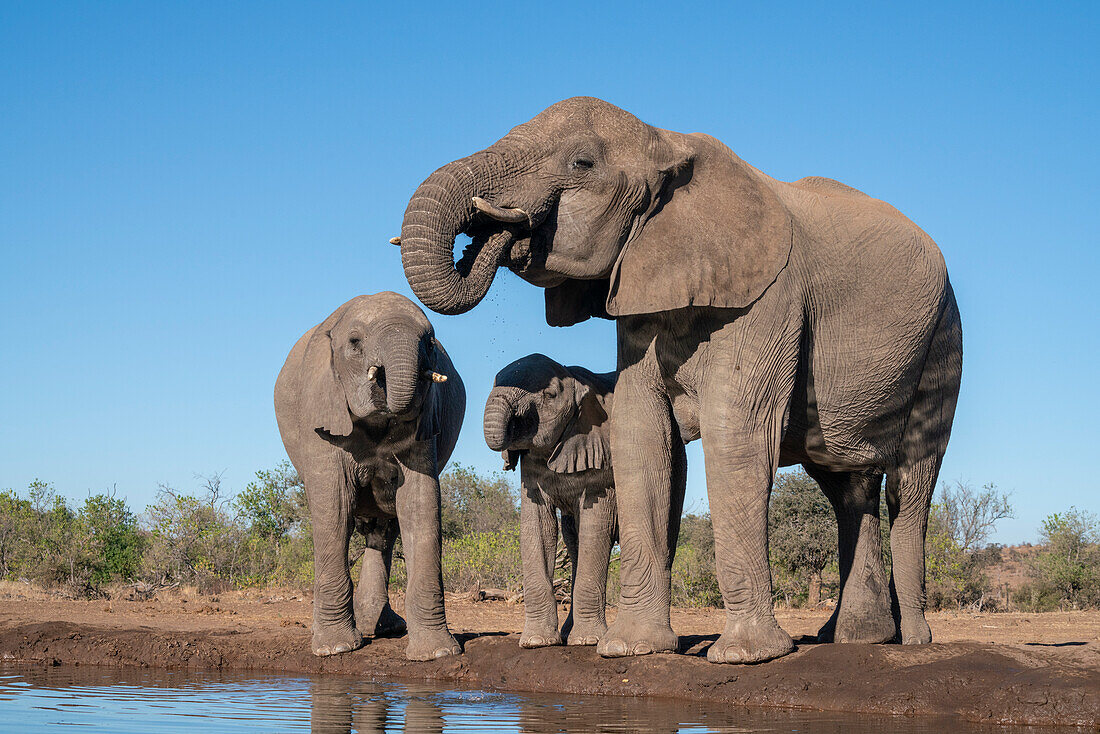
[
  {"x": 554, "y": 421},
  {"x": 369, "y": 408}
]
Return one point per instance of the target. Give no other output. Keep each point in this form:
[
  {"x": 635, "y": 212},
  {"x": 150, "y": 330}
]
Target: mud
[{"x": 997, "y": 668}]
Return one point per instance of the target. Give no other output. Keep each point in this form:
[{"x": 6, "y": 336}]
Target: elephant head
[
  {"x": 375, "y": 355},
  {"x": 538, "y": 406},
  {"x": 612, "y": 216}
]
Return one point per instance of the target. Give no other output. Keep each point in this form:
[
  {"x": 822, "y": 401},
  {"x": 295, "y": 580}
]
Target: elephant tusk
[
  {"x": 395, "y": 241},
  {"x": 434, "y": 376},
  {"x": 372, "y": 372},
  {"x": 510, "y": 215}
]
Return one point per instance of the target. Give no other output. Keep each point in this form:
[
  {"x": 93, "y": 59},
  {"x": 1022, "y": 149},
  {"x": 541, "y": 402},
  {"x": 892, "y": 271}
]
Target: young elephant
[
  {"x": 554, "y": 421},
  {"x": 369, "y": 408}
]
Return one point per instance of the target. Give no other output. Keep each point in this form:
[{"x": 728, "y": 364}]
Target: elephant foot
[
  {"x": 871, "y": 626},
  {"x": 390, "y": 623},
  {"x": 750, "y": 640},
  {"x": 632, "y": 635},
  {"x": 915, "y": 629},
  {"x": 379, "y": 621},
  {"x": 432, "y": 645},
  {"x": 586, "y": 633},
  {"x": 538, "y": 634},
  {"x": 861, "y": 619},
  {"x": 335, "y": 639}
]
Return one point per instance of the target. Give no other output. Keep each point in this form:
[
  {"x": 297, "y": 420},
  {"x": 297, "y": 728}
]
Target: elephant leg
[
  {"x": 330, "y": 706},
  {"x": 421, "y": 539},
  {"x": 740, "y": 468},
  {"x": 910, "y": 486},
  {"x": 538, "y": 550},
  {"x": 909, "y": 497},
  {"x": 862, "y": 612},
  {"x": 597, "y": 534},
  {"x": 648, "y": 464},
  {"x": 373, "y": 615},
  {"x": 569, "y": 536},
  {"x": 333, "y": 624}
]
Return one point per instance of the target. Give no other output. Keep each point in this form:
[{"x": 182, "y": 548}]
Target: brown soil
[{"x": 993, "y": 668}]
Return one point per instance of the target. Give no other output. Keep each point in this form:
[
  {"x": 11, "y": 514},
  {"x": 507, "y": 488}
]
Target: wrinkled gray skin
[
  {"x": 554, "y": 421},
  {"x": 780, "y": 322},
  {"x": 370, "y": 452}
]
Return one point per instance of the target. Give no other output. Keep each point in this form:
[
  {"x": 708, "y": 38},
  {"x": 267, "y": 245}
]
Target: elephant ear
[
  {"x": 322, "y": 401},
  {"x": 585, "y": 443},
  {"x": 435, "y": 400},
  {"x": 717, "y": 236},
  {"x": 575, "y": 301}
]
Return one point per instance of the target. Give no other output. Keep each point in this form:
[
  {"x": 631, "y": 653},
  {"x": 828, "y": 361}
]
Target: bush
[
  {"x": 193, "y": 539},
  {"x": 114, "y": 543},
  {"x": 471, "y": 503},
  {"x": 278, "y": 537},
  {"x": 802, "y": 537},
  {"x": 1067, "y": 570},
  {"x": 956, "y": 558},
  {"x": 694, "y": 576},
  {"x": 262, "y": 537},
  {"x": 483, "y": 560}
]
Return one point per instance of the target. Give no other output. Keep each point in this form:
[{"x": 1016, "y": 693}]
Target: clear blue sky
[{"x": 185, "y": 188}]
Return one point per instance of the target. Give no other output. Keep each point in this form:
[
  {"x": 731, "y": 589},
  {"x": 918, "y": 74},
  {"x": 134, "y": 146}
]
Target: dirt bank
[{"x": 993, "y": 668}]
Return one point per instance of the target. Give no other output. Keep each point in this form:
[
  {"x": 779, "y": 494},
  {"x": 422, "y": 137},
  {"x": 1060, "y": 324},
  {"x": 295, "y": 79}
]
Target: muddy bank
[{"x": 1031, "y": 679}]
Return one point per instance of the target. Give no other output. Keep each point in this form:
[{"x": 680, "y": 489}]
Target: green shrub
[
  {"x": 483, "y": 560},
  {"x": 1068, "y": 567}
]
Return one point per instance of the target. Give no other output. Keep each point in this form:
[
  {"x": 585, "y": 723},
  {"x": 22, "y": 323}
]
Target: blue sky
[{"x": 185, "y": 188}]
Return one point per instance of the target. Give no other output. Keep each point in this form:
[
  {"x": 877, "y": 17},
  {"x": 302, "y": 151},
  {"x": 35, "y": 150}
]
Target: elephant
[
  {"x": 369, "y": 407},
  {"x": 780, "y": 323},
  {"x": 554, "y": 421}
]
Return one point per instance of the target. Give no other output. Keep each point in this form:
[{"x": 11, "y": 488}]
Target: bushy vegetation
[
  {"x": 959, "y": 525},
  {"x": 261, "y": 536},
  {"x": 1065, "y": 571},
  {"x": 801, "y": 540}
]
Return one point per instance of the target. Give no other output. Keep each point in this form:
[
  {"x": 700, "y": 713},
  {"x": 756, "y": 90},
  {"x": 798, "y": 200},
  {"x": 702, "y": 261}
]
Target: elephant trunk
[
  {"x": 401, "y": 365},
  {"x": 442, "y": 208},
  {"x": 498, "y": 414}
]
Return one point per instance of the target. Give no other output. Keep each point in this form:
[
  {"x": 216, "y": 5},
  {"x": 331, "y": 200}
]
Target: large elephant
[
  {"x": 782, "y": 323},
  {"x": 369, "y": 408},
  {"x": 554, "y": 421}
]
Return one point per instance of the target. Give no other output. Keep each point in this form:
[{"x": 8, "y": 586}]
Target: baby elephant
[
  {"x": 369, "y": 407},
  {"x": 554, "y": 421}
]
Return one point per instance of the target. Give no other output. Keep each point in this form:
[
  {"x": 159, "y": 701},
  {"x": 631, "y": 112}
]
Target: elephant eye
[
  {"x": 354, "y": 342},
  {"x": 583, "y": 164}
]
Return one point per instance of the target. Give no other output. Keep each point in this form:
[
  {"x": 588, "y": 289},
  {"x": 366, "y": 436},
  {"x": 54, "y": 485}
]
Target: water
[{"x": 87, "y": 699}]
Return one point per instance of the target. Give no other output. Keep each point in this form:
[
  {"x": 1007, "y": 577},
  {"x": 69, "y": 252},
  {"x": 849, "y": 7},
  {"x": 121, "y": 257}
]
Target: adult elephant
[{"x": 782, "y": 323}]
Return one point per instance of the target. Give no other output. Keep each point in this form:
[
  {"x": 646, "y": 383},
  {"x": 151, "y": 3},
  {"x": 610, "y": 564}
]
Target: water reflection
[
  {"x": 113, "y": 700},
  {"x": 341, "y": 707}
]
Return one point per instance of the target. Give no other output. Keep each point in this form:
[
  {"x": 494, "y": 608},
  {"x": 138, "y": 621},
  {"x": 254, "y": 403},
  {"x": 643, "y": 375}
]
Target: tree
[
  {"x": 114, "y": 543},
  {"x": 694, "y": 576},
  {"x": 959, "y": 526},
  {"x": 194, "y": 539},
  {"x": 802, "y": 532},
  {"x": 471, "y": 503},
  {"x": 16, "y": 523},
  {"x": 274, "y": 503},
  {"x": 1069, "y": 564},
  {"x": 969, "y": 516}
]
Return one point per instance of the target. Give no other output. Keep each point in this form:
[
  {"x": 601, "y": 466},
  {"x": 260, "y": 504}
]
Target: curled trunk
[
  {"x": 401, "y": 364},
  {"x": 498, "y": 413},
  {"x": 440, "y": 210}
]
